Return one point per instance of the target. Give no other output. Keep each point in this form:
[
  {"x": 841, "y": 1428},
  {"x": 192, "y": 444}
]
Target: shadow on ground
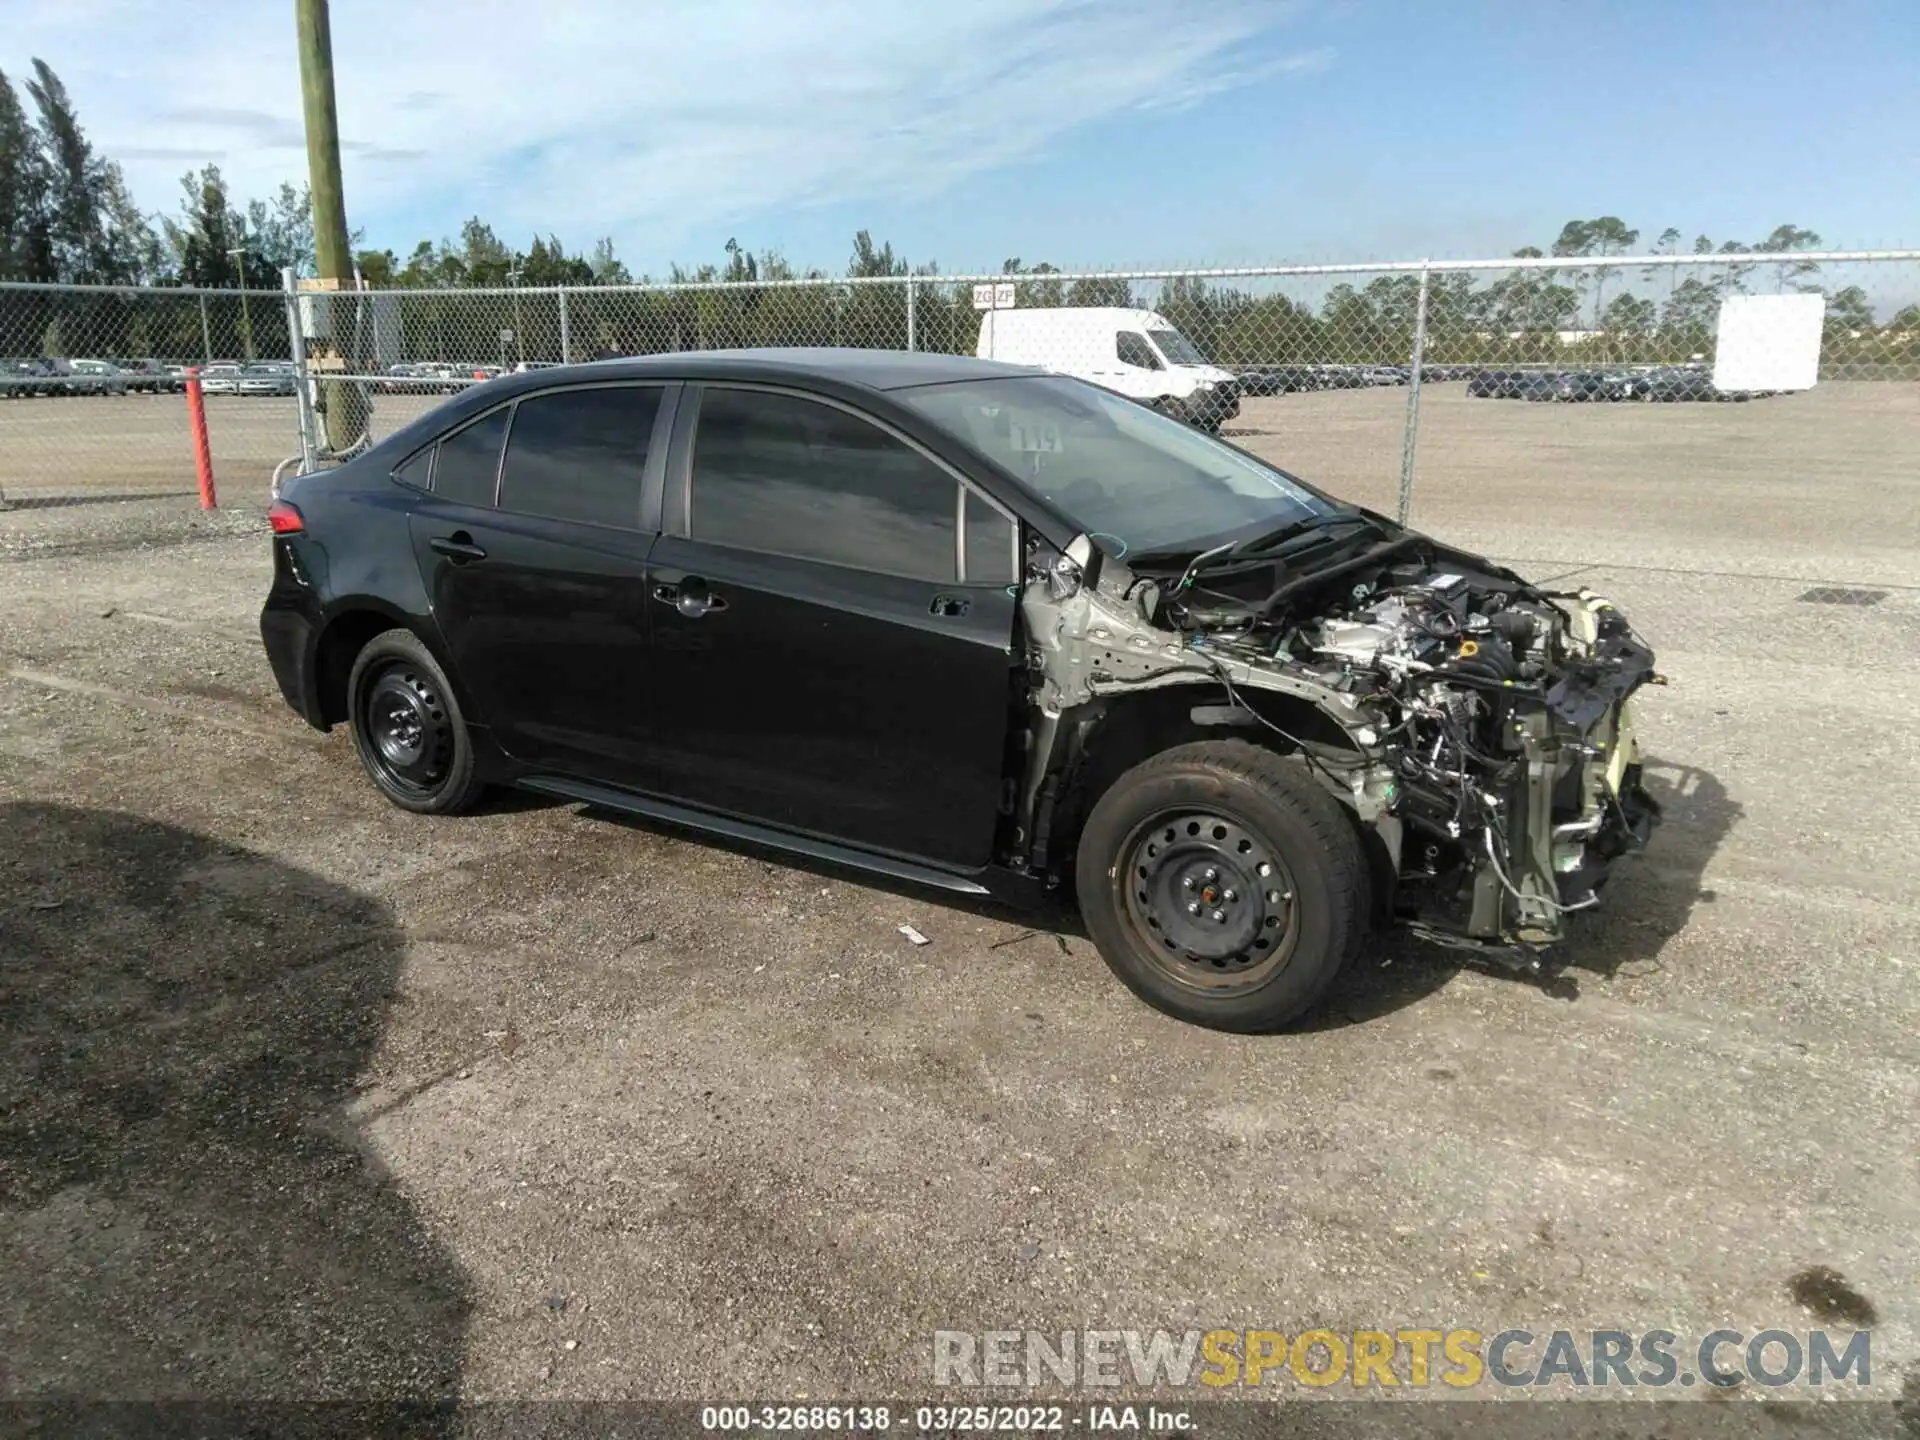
[
  {"x": 183, "y": 1213},
  {"x": 1644, "y": 905}
]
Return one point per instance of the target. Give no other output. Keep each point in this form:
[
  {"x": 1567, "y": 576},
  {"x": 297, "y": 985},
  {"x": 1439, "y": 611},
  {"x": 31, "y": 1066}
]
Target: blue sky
[{"x": 1124, "y": 132}]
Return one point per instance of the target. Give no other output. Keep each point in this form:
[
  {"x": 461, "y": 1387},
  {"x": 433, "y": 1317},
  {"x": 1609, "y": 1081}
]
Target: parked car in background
[
  {"x": 221, "y": 378},
  {"x": 266, "y": 377},
  {"x": 526, "y": 366},
  {"x": 98, "y": 377},
  {"x": 1678, "y": 382},
  {"x": 1496, "y": 384},
  {"x": 1622, "y": 385},
  {"x": 408, "y": 379},
  {"x": 22, "y": 379},
  {"x": 151, "y": 377},
  {"x": 1387, "y": 374},
  {"x": 1278, "y": 379},
  {"x": 1563, "y": 386},
  {"x": 1135, "y": 353},
  {"x": 937, "y": 618}
]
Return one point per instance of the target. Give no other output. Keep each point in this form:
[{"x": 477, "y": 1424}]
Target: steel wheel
[
  {"x": 409, "y": 727},
  {"x": 1212, "y": 901}
]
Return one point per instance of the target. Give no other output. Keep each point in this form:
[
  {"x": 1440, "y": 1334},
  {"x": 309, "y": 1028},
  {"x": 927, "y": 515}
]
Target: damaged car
[{"x": 974, "y": 626}]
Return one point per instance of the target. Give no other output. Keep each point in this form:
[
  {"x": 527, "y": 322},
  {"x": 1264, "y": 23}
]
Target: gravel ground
[{"x": 308, "y": 1097}]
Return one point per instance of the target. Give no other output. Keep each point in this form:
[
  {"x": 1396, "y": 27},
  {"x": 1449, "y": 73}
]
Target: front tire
[
  {"x": 407, "y": 728},
  {"x": 1223, "y": 885}
]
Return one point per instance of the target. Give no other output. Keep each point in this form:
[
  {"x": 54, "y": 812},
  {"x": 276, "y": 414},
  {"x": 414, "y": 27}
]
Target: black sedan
[
  {"x": 972, "y": 626},
  {"x": 1497, "y": 384},
  {"x": 1279, "y": 379},
  {"x": 1684, "y": 382},
  {"x": 1565, "y": 386}
]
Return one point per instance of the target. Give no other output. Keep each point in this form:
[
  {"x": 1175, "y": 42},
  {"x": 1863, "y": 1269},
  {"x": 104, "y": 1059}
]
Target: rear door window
[
  {"x": 785, "y": 475},
  {"x": 580, "y": 454},
  {"x": 469, "y": 461}
]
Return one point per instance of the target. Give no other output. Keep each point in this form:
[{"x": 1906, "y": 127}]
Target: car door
[
  {"x": 535, "y": 558},
  {"x": 833, "y": 628}
]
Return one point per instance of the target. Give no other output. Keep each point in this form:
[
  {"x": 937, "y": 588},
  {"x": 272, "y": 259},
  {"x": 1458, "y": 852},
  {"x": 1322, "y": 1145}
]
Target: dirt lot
[{"x": 304, "y": 1096}]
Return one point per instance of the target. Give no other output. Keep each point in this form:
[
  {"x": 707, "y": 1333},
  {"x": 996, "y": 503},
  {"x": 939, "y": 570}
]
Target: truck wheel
[
  {"x": 1223, "y": 884},
  {"x": 407, "y": 727}
]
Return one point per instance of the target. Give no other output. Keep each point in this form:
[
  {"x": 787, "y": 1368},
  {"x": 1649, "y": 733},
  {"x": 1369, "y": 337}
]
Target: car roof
[{"x": 871, "y": 369}]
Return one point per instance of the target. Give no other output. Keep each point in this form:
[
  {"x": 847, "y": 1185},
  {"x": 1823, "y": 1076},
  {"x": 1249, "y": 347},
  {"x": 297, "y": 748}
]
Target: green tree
[
  {"x": 1101, "y": 290},
  {"x": 1849, "y": 311},
  {"x": 1607, "y": 235},
  {"x": 869, "y": 260},
  {"x": 1526, "y": 308},
  {"x": 482, "y": 255},
  {"x": 1040, "y": 294},
  {"x": 1627, "y": 314},
  {"x": 1784, "y": 239},
  {"x": 606, "y": 266},
  {"x": 280, "y": 232},
  {"x": 1733, "y": 280},
  {"x": 96, "y": 233},
  {"x": 1688, "y": 318},
  {"x": 377, "y": 267},
  {"x": 205, "y": 233},
  {"x": 26, "y": 238}
]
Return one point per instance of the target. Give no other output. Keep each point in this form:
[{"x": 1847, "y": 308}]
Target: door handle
[
  {"x": 690, "y": 597},
  {"x": 457, "y": 547}
]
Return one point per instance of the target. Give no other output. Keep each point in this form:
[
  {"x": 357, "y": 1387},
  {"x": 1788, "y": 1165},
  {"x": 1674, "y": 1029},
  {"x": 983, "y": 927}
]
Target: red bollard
[{"x": 197, "y": 422}]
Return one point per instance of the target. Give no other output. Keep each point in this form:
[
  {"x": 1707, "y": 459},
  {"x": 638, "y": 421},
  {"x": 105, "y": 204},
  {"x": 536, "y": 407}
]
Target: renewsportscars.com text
[{"x": 1458, "y": 1359}]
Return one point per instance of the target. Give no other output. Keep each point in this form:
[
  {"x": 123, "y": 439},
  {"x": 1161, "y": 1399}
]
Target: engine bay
[{"x": 1480, "y": 726}]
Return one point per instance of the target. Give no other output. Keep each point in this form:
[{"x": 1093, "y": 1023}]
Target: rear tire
[
  {"x": 407, "y": 727},
  {"x": 1223, "y": 884}
]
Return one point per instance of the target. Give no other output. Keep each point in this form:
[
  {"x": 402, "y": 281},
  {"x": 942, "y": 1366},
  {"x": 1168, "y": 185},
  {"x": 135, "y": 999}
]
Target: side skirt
[{"x": 707, "y": 822}]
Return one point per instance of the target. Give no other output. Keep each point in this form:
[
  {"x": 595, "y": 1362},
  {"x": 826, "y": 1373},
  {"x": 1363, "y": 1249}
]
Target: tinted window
[
  {"x": 469, "y": 461},
  {"x": 579, "y": 455},
  {"x": 417, "y": 472},
  {"x": 1132, "y": 350},
  {"x": 989, "y": 544},
  {"x": 792, "y": 477}
]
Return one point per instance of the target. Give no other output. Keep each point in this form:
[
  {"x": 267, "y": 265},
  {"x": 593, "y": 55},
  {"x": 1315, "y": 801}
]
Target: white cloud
[{"x": 639, "y": 117}]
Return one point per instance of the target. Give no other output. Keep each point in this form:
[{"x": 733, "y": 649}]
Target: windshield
[
  {"x": 1176, "y": 347},
  {"x": 1116, "y": 468}
]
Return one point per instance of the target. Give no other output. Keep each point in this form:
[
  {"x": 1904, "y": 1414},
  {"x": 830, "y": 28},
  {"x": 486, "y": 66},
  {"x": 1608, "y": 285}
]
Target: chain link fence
[
  {"x": 1403, "y": 387},
  {"x": 93, "y": 381}
]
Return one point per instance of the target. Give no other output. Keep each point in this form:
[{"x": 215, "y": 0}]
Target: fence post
[
  {"x": 302, "y": 386},
  {"x": 1413, "y": 396},
  {"x": 202, "y": 451},
  {"x": 566, "y": 335},
  {"x": 206, "y": 335},
  {"x": 912, "y": 338}
]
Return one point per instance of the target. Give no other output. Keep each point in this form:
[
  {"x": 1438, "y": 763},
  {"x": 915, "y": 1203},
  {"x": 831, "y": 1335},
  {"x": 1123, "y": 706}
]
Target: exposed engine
[
  {"x": 1482, "y": 726},
  {"x": 1503, "y": 721}
]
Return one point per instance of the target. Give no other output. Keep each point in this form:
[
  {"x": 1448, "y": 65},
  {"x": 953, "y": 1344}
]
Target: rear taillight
[{"x": 285, "y": 518}]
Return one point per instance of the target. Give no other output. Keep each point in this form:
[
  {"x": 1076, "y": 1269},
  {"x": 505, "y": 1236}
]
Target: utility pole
[{"x": 345, "y": 417}]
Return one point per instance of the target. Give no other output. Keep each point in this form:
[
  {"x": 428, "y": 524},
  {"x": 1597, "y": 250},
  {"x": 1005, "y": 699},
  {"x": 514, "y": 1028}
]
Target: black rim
[
  {"x": 1209, "y": 899},
  {"x": 408, "y": 731}
]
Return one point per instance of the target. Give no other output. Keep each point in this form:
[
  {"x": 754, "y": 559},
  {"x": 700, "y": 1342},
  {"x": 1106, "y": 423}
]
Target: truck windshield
[
  {"x": 1114, "y": 467},
  {"x": 1176, "y": 347}
]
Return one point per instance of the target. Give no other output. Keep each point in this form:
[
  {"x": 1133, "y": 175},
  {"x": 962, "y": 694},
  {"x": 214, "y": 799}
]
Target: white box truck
[{"x": 1135, "y": 353}]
